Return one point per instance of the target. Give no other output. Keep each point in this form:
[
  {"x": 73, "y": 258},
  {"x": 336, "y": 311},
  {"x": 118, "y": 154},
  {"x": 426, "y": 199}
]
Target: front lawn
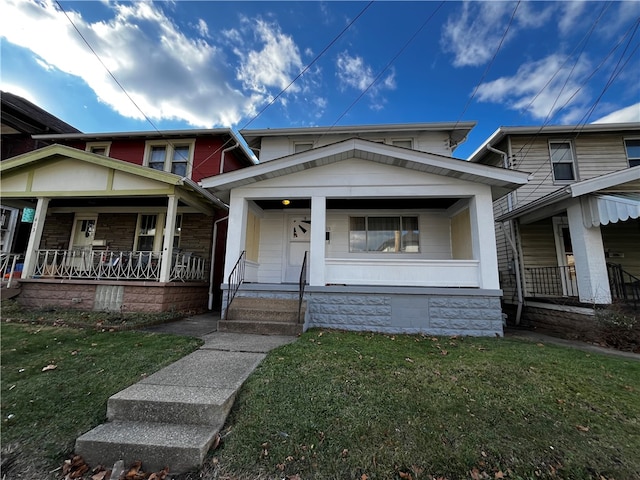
[{"x": 338, "y": 405}]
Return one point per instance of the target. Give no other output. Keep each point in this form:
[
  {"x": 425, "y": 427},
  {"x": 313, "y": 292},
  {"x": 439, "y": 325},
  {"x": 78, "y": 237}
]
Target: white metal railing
[
  {"x": 8, "y": 268},
  {"x": 115, "y": 265}
]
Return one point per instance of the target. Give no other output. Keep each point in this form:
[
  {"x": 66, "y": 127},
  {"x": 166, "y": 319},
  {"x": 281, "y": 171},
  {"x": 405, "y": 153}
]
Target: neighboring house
[
  {"x": 568, "y": 240},
  {"x": 19, "y": 120},
  {"x": 389, "y": 235},
  {"x": 120, "y": 222}
]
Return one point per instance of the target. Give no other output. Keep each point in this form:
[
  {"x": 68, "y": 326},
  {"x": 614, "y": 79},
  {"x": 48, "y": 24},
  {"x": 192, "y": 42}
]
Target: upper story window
[
  {"x": 632, "y": 146},
  {"x": 562, "y": 161},
  {"x": 398, "y": 234},
  {"x": 99, "y": 148},
  {"x": 175, "y": 157},
  {"x": 302, "y": 146}
]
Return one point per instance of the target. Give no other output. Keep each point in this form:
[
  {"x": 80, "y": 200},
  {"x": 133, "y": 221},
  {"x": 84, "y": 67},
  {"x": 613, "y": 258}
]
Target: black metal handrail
[
  {"x": 552, "y": 281},
  {"x": 236, "y": 277},
  {"x": 301, "y": 285},
  {"x": 624, "y": 285}
]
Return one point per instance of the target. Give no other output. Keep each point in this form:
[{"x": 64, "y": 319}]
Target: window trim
[
  {"x": 170, "y": 146},
  {"x": 400, "y": 217},
  {"x": 158, "y": 236},
  {"x": 626, "y": 152},
  {"x": 574, "y": 165},
  {"x": 402, "y": 139},
  {"x": 89, "y": 146},
  {"x": 300, "y": 142}
]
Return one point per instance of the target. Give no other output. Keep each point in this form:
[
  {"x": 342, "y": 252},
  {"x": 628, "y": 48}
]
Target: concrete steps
[
  {"x": 172, "y": 417},
  {"x": 263, "y": 316}
]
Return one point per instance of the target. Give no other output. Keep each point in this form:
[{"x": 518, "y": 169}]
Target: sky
[{"x": 112, "y": 66}]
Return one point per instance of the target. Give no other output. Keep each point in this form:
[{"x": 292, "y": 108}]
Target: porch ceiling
[{"x": 364, "y": 203}]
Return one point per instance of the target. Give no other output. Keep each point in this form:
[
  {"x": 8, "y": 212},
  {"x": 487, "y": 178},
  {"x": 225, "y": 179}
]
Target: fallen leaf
[
  {"x": 406, "y": 476},
  {"x": 582, "y": 428},
  {"x": 409, "y": 360},
  {"x": 49, "y": 367},
  {"x": 100, "y": 475},
  {"x": 345, "y": 453},
  {"x": 364, "y": 477},
  {"x": 499, "y": 474}
]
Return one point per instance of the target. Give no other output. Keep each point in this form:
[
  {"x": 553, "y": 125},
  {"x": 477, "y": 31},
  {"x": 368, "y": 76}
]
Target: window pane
[
  {"x": 180, "y": 159},
  {"x": 401, "y": 143},
  {"x": 357, "y": 234},
  {"x": 410, "y": 235},
  {"x": 561, "y": 152},
  {"x": 302, "y": 147},
  {"x": 383, "y": 234},
  {"x": 563, "y": 171},
  {"x": 157, "y": 157},
  {"x": 634, "y": 163},
  {"x": 633, "y": 149},
  {"x": 145, "y": 243}
]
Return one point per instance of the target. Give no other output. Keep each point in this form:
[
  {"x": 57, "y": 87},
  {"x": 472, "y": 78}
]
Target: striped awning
[{"x": 611, "y": 208}]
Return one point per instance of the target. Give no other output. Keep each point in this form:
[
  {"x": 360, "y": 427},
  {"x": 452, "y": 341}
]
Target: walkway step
[
  {"x": 157, "y": 445},
  {"x": 262, "y": 314},
  {"x": 260, "y": 327},
  {"x": 273, "y": 304},
  {"x": 171, "y": 404}
]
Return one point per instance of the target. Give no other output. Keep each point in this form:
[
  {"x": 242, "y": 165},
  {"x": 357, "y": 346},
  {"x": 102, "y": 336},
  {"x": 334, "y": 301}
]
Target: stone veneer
[
  {"x": 433, "y": 311},
  {"x": 126, "y": 296}
]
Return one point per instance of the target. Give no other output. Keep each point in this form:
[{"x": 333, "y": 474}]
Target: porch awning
[{"x": 605, "y": 209}]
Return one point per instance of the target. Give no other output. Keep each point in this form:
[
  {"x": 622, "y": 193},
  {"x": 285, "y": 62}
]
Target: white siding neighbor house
[{"x": 373, "y": 236}]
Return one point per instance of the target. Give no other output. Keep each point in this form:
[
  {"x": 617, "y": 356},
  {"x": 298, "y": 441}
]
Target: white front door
[
  {"x": 82, "y": 236},
  {"x": 299, "y": 238}
]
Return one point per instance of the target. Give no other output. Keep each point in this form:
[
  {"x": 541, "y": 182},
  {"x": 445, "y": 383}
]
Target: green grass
[
  {"x": 43, "y": 412},
  {"x": 338, "y": 405}
]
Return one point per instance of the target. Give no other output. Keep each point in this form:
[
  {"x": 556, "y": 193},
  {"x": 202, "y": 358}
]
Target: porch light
[{"x": 286, "y": 202}]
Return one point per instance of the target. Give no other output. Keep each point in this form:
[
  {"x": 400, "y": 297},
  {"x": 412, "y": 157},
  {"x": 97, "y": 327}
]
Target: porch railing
[
  {"x": 115, "y": 265},
  {"x": 9, "y": 270},
  {"x": 552, "y": 281},
  {"x": 301, "y": 285},
  {"x": 624, "y": 286},
  {"x": 236, "y": 277}
]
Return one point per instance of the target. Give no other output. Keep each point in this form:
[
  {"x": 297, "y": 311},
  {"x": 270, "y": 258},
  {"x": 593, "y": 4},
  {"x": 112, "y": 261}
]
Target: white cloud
[
  {"x": 353, "y": 72},
  {"x": 624, "y": 115},
  {"x": 203, "y": 28},
  {"x": 541, "y": 88},
  {"x": 169, "y": 75}
]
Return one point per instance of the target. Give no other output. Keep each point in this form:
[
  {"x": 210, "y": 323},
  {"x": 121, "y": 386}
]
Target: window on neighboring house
[
  {"x": 302, "y": 146},
  {"x": 150, "y": 236},
  {"x": 562, "y": 161},
  {"x": 398, "y": 234},
  {"x": 99, "y": 148},
  {"x": 170, "y": 157},
  {"x": 632, "y": 147},
  {"x": 407, "y": 143}
]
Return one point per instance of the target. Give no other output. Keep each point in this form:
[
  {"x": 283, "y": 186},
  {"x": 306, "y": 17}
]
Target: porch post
[
  {"x": 484, "y": 239},
  {"x": 167, "y": 239},
  {"x": 317, "y": 244},
  {"x": 236, "y": 232},
  {"x": 588, "y": 253},
  {"x": 31, "y": 255}
]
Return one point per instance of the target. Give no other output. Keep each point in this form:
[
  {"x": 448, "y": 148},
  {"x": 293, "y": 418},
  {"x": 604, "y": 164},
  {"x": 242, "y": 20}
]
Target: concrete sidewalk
[{"x": 172, "y": 417}]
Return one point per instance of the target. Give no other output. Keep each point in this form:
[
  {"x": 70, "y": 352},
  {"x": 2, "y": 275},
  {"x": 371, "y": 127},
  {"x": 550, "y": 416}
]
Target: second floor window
[
  {"x": 633, "y": 151},
  {"x": 170, "y": 157},
  {"x": 562, "y": 161}
]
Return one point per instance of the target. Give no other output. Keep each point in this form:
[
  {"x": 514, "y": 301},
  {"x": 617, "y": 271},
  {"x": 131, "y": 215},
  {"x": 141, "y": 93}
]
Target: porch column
[
  {"x": 483, "y": 237},
  {"x": 588, "y": 253},
  {"x": 317, "y": 244},
  {"x": 236, "y": 232},
  {"x": 167, "y": 239},
  {"x": 31, "y": 255}
]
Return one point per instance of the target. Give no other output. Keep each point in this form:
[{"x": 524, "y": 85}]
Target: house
[
  {"x": 389, "y": 231},
  {"x": 119, "y": 221},
  {"x": 567, "y": 240}
]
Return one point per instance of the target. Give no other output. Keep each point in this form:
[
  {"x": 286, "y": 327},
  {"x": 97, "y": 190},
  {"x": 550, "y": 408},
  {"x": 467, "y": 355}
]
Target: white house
[{"x": 398, "y": 239}]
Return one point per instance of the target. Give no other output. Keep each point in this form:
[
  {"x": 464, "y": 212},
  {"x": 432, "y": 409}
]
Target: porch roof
[
  {"x": 19, "y": 179},
  {"x": 611, "y": 198},
  {"x": 502, "y": 181}
]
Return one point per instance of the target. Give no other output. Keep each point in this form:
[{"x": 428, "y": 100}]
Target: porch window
[
  {"x": 562, "y": 161},
  {"x": 170, "y": 157},
  {"x": 149, "y": 235},
  {"x": 632, "y": 146},
  {"x": 397, "y": 234}
]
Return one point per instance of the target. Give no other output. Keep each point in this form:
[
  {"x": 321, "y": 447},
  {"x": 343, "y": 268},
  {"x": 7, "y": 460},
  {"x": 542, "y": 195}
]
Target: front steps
[
  {"x": 263, "y": 316},
  {"x": 172, "y": 417}
]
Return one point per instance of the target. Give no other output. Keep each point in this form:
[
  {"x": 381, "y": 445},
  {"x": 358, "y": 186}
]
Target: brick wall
[
  {"x": 57, "y": 231},
  {"x": 196, "y": 234},
  {"x": 118, "y": 229}
]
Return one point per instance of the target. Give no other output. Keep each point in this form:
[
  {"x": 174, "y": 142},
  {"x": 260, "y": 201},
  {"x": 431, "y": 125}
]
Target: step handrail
[
  {"x": 624, "y": 285},
  {"x": 301, "y": 285},
  {"x": 236, "y": 278}
]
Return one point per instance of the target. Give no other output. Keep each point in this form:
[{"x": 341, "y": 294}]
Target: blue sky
[{"x": 205, "y": 64}]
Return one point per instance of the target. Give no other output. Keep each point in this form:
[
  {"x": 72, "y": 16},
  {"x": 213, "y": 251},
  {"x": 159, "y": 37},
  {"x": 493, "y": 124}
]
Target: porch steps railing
[
  {"x": 10, "y": 272},
  {"x": 236, "y": 277},
  {"x": 624, "y": 285},
  {"x": 301, "y": 285}
]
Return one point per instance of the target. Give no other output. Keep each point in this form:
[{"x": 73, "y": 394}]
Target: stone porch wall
[{"x": 126, "y": 296}]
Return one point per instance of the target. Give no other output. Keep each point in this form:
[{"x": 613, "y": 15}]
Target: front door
[
  {"x": 299, "y": 238},
  {"x": 566, "y": 260},
  {"x": 84, "y": 232}
]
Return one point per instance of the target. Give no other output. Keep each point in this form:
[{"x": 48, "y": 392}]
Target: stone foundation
[
  {"x": 561, "y": 321},
  {"x": 114, "y": 296}
]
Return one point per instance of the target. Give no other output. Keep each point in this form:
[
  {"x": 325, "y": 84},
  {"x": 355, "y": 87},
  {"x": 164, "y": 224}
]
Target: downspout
[
  {"x": 511, "y": 237},
  {"x": 213, "y": 258},
  {"x": 222, "y": 156}
]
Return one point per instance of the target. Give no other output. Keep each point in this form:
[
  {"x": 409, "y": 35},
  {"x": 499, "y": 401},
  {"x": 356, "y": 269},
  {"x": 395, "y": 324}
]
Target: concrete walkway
[{"x": 172, "y": 417}]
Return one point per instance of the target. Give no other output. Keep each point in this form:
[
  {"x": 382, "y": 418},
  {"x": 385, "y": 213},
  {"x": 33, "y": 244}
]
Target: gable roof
[
  {"x": 45, "y": 154},
  {"x": 26, "y": 117},
  {"x": 502, "y": 132},
  {"x": 501, "y": 180}
]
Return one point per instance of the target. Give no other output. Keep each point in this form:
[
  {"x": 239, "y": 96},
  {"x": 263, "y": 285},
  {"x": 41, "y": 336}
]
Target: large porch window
[
  {"x": 397, "y": 234},
  {"x": 149, "y": 237}
]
